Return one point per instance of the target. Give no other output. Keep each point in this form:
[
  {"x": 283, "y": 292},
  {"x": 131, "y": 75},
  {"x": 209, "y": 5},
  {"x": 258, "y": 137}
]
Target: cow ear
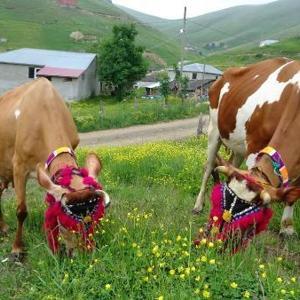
[
  {"x": 45, "y": 181},
  {"x": 93, "y": 164}
]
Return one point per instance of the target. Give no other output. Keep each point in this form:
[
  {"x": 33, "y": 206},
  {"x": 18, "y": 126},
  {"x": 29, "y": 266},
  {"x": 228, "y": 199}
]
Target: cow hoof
[
  {"x": 17, "y": 257},
  {"x": 197, "y": 211},
  {"x": 288, "y": 233}
]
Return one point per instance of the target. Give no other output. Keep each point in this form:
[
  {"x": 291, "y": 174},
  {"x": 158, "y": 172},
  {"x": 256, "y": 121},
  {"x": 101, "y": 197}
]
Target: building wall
[
  {"x": 68, "y": 89},
  {"x": 88, "y": 84},
  {"x": 85, "y": 86},
  {"x": 12, "y": 76},
  {"x": 189, "y": 75}
]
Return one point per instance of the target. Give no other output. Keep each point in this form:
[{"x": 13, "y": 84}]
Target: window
[
  {"x": 32, "y": 72},
  {"x": 194, "y": 76}
]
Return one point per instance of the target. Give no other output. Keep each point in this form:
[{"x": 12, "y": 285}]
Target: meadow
[
  {"x": 106, "y": 112},
  {"x": 248, "y": 55},
  {"x": 144, "y": 244}
]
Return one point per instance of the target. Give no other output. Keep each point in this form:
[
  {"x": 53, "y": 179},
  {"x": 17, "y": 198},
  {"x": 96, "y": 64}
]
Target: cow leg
[
  {"x": 287, "y": 228},
  {"x": 214, "y": 144},
  {"x": 3, "y": 225},
  {"x": 20, "y": 188}
]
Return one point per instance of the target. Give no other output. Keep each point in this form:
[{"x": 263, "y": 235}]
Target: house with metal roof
[
  {"x": 197, "y": 71},
  {"x": 73, "y": 74}
]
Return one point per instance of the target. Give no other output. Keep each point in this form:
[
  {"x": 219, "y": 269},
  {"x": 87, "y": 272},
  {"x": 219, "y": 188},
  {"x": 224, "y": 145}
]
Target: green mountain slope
[
  {"x": 240, "y": 57},
  {"x": 234, "y": 27},
  {"x": 45, "y": 24}
]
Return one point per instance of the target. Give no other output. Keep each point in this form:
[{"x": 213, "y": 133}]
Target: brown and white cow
[
  {"x": 34, "y": 121},
  {"x": 250, "y": 108}
]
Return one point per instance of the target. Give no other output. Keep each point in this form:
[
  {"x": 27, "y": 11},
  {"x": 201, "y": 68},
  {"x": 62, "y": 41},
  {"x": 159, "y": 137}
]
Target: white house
[
  {"x": 267, "y": 43},
  {"x": 73, "y": 74},
  {"x": 197, "y": 71}
]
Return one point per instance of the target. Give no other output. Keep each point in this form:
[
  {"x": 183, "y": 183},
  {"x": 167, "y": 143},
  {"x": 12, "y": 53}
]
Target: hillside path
[{"x": 173, "y": 130}]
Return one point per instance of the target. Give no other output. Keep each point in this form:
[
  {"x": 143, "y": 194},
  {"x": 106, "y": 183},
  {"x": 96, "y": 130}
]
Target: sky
[{"x": 173, "y": 9}]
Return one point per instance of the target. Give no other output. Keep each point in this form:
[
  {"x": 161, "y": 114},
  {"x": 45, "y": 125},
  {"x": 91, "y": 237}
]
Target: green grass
[
  {"x": 88, "y": 114},
  {"x": 146, "y": 234}
]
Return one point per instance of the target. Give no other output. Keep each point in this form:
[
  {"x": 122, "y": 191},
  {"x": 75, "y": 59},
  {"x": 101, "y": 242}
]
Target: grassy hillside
[
  {"x": 44, "y": 24},
  {"x": 240, "y": 57},
  {"x": 232, "y": 27}
]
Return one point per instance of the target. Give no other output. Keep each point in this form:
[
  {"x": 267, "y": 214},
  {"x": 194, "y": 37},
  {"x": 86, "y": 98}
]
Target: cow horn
[
  {"x": 105, "y": 197},
  {"x": 224, "y": 170},
  {"x": 265, "y": 197}
]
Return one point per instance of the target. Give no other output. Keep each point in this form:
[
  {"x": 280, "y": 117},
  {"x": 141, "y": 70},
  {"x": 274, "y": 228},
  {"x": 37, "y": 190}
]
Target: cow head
[
  {"x": 239, "y": 207},
  {"x": 76, "y": 203},
  {"x": 256, "y": 186}
]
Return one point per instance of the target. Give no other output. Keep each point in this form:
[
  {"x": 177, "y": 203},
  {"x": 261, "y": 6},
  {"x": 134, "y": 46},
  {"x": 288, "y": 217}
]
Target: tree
[
  {"x": 164, "y": 86},
  {"x": 121, "y": 62}
]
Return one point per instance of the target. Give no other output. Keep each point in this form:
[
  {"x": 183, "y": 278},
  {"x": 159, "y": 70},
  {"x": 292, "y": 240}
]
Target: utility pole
[
  {"x": 202, "y": 81},
  {"x": 183, "y": 39}
]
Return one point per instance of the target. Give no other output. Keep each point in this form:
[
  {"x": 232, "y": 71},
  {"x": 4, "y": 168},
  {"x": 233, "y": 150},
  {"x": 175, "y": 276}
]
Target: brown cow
[
  {"x": 34, "y": 122},
  {"x": 251, "y": 108}
]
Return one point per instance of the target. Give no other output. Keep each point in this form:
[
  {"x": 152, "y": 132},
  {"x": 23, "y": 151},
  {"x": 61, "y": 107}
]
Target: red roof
[
  {"x": 60, "y": 72},
  {"x": 67, "y": 2}
]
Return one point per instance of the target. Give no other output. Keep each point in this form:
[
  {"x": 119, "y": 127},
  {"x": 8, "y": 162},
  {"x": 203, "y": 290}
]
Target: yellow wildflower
[
  {"x": 283, "y": 291},
  {"x": 279, "y": 258},
  {"x": 134, "y": 245},
  {"x": 210, "y": 244},
  {"x": 279, "y": 279},
  {"x": 178, "y": 238},
  {"x": 108, "y": 287},
  {"x": 182, "y": 276},
  {"x": 197, "y": 278},
  {"x": 212, "y": 261},
  {"x": 155, "y": 249},
  {"x": 261, "y": 266},
  {"x": 197, "y": 291},
  {"x": 246, "y": 295},
  {"x": 203, "y": 241},
  {"x": 150, "y": 270},
  {"x": 233, "y": 285},
  {"x": 172, "y": 272},
  {"x": 264, "y": 275},
  {"x": 146, "y": 279},
  {"x": 160, "y": 298},
  {"x": 203, "y": 258},
  {"x": 293, "y": 279},
  {"x": 206, "y": 294}
]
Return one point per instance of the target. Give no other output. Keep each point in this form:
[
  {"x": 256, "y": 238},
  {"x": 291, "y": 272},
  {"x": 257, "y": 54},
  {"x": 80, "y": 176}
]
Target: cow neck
[{"x": 60, "y": 162}]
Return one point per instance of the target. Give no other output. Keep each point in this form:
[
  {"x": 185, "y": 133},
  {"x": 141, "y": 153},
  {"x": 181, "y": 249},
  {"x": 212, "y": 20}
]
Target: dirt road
[{"x": 174, "y": 130}]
